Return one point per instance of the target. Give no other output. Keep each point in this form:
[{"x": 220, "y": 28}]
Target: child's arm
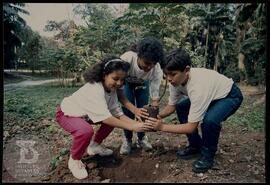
[
  {"x": 180, "y": 128},
  {"x": 139, "y": 112},
  {"x": 127, "y": 123},
  {"x": 169, "y": 109}
]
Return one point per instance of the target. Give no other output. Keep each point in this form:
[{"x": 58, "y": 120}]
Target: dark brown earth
[
  {"x": 152, "y": 111},
  {"x": 240, "y": 157}
]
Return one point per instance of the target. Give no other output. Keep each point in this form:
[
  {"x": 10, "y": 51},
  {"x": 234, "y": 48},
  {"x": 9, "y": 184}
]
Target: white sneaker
[
  {"x": 144, "y": 143},
  {"x": 125, "y": 147},
  {"x": 95, "y": 148},
  {"x": 77, "y": 168}
]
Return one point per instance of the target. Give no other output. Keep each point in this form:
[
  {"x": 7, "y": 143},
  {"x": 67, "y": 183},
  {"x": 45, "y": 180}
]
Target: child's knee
[
  {"x": 209, "y": 122},
  {"x": 86, "y": 133}
]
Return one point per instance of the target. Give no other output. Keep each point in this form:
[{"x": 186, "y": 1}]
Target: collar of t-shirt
[{"x": 137, "y": 66}]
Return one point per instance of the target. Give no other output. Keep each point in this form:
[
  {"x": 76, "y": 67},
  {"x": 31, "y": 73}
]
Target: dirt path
[
  {"x": 14, "y": 86},
  {"x": 28, "y": 83}
]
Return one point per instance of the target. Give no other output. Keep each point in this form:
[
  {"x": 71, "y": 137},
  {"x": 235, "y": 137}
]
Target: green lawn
[{"x": 35, "y": 102}]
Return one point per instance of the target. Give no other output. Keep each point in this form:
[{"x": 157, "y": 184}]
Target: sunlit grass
[{"x": 35, "y": 102}]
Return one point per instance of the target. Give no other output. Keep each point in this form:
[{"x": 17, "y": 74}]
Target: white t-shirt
[
  {"x": 94, "y": 101},
  {"x": 154, "y": 75},
  {"x": 202, "y": 88}
]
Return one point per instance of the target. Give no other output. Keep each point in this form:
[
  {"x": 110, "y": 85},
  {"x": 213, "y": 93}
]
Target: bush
[{"x": 233, "y": 72}]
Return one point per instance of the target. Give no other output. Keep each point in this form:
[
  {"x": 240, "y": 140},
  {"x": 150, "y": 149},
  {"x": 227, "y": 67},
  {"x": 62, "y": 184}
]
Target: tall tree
[
  {"x": 29, "y": 52},
  {"x": 216, "y": 23},
  {"x": 251, "y": 41},
  {"x": 64, "y": 29},
  {"x": 12, "y": 23},
  {"x": 165, "y": 21},
  {"x": 98, "y": 18}
]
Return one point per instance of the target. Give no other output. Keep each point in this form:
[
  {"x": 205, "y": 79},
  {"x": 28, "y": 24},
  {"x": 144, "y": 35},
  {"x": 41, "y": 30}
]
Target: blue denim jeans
[
  {"x": 218, "y": 111},
  {"x": 138, "y": 96}
]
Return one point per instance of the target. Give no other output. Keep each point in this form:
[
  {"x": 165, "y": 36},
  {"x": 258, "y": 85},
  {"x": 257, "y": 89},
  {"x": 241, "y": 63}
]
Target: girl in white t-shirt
[
  {"x": 198, "y": 95},
  {"x": 95, "y": 102}
]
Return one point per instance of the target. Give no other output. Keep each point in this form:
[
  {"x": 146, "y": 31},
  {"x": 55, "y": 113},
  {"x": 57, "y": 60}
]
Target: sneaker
[
  {"x": 144, "y": 143},
  {"x": 77, "y": 168},
  {"x": 188, "y": 152},
  {"x": 125, "y": 147},
  {"x": 203, "y": 164},
  {"x": 95, "y": 148}
]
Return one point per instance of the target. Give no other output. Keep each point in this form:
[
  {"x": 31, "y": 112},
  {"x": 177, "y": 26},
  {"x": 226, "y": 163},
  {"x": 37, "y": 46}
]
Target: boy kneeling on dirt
[{"x": 211, "y": 99}]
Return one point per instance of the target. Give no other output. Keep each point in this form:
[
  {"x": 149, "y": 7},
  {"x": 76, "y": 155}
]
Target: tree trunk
[
  {"x": 241, "y": 59},
  {"x": 206, "y": 47},
  {"x": 240, "y": 37},
  {"x": 216, "y": 64}
]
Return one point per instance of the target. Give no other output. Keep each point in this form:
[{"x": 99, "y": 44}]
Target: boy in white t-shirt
[
  {"x": 95, "y": 102},
  {"x": 199, "y": 96},
  {"x": 145, "y": 68}
]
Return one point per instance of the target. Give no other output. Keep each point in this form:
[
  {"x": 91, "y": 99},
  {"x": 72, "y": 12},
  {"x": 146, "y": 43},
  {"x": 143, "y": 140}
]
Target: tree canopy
[{"x": 229, "y": 38}]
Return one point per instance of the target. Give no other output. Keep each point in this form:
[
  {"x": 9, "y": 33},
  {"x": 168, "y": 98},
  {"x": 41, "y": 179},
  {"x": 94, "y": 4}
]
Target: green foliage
[
  {"x": 207, "y": 31},
  {"x": 197, "y": 57},
  {"x": 155, "y": 19},
  {"x": 171, "y": 118},
  {"x": 212, "y": 27},
  {"x": 244, "y": 11},
  {"x": 233, "y": 72},
  {"x": 12, "y": 24},
  {"x": 53, "y": 128},
  {"x": 62, "y": 28},
  {"x": 94, "y": 14},
  {"x": 55, "y": 161},
  {"x": 252, "y": 46},
  {"x": 29, "y": 53},
  {"x": 251, "y": 20},
  {"x": 98, "y": 18}
]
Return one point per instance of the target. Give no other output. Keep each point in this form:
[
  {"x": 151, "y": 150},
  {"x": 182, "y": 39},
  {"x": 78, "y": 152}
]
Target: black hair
[
  {"x": 177, "y": 59},
  {"x": 106, "y": 66},
  {"x": 133, "y": 47},
  {"x": 150, "y": 49}
]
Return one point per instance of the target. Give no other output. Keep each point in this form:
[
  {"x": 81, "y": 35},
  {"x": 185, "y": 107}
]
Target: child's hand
[
  {"x": 141, "y": 113},
  {"x": 154, "y": 123},
  {"x": 159, "y": 117},
  {"x": 141, "y": 127}
]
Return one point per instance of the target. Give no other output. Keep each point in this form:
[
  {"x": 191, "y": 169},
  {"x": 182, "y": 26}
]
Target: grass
[
  {"x": 9, "y": 78},
  {"x": 38, "y": 102},
  {"x": 35, "y": 102},
  {"x": 249, "y": 115}
]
